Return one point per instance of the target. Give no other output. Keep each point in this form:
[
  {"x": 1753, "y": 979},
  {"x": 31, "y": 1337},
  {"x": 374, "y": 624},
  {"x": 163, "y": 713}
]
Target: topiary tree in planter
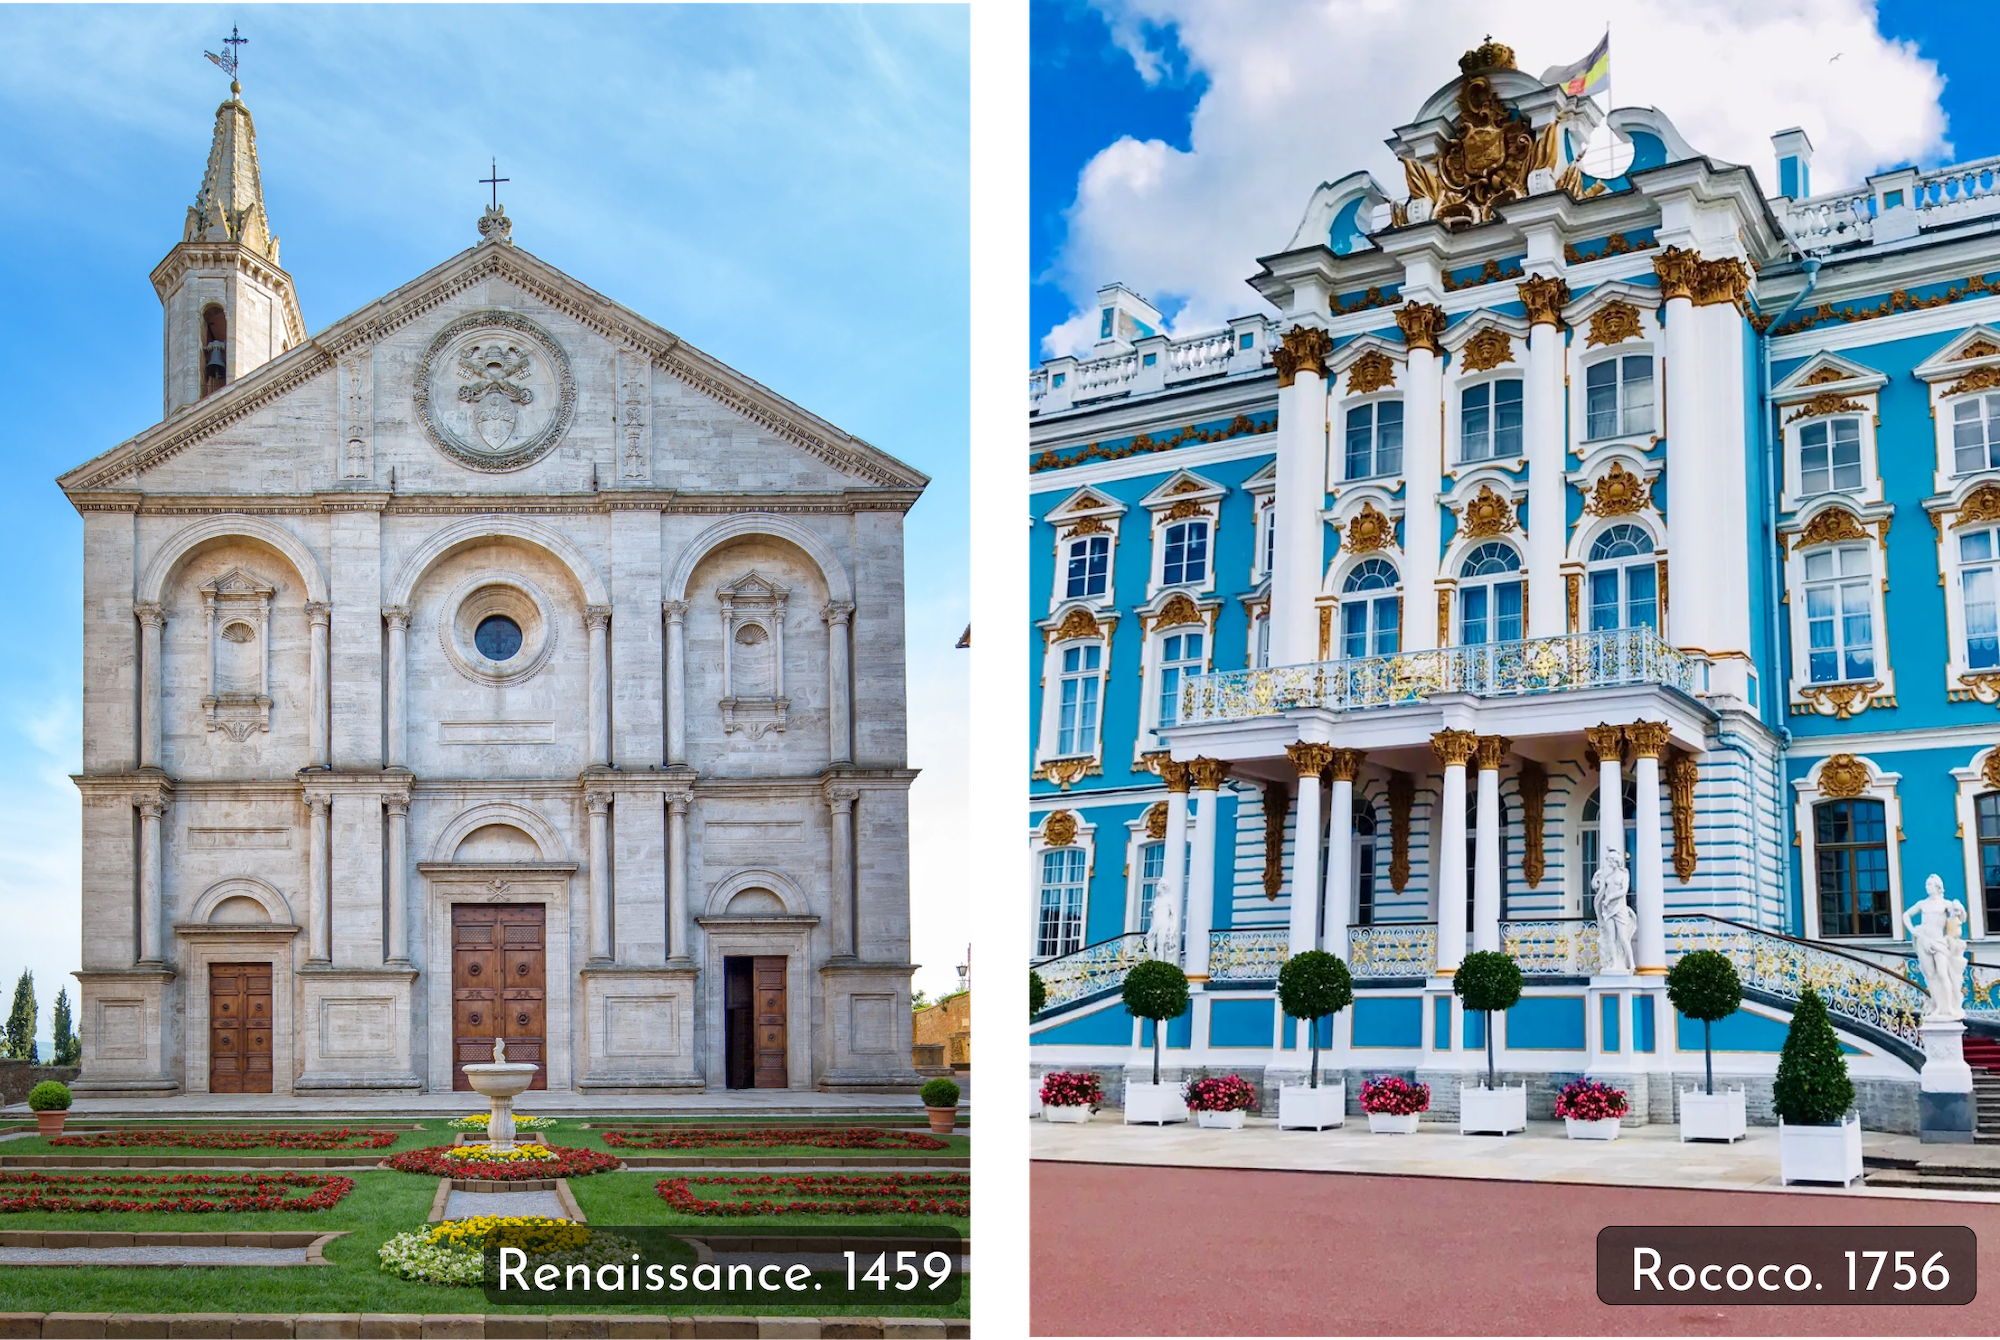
[
  {"x": 1704, "y": 986},
  {"x": 1488, "y": 981},
  {"x": 1312, "y": 985},
  {"x": 1038, "y": 995},
  {"x": 1158, "y": 991},
  {"x": 1812, "y": 1087}
]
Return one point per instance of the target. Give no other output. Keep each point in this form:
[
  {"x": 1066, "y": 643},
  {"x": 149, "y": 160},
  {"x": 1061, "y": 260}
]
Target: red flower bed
[
  {"x": 1392, "y": 1095},
  {"x": 816, "y": 1137},
  {"x": 569, "y": 1162},
  {"x": 1587, "y": 1100},
  {"x": 186, "y": 1193},
  {"x": 1229, "y": 1093},
  {"x": 918, "y": 1193},
  {"x": 343, "y": 1138}
]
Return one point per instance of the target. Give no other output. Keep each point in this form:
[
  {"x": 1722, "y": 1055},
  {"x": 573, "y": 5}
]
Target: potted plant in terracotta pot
[
  {"x": 1311, "y": 986},
  {"x": 941, "y": 1103},
  {"x": 1490, "y": 982},
  {"x": 1070, "y": 1095},
  {"x": 1819, "y": 1138},
  {"x": 1394, "y": 1104},
  {"x": 1155, "y": 990},
  {"x": 1591, "y": 1110},
  {"x": 1703, "y": 985},
  {"x": 50, "y": 1100},
  {"x": 1219, "y": 1103}
]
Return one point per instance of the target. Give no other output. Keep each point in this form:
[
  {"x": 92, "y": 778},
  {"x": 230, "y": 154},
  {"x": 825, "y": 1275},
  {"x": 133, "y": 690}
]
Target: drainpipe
[{"x": 1774, "y": 481}]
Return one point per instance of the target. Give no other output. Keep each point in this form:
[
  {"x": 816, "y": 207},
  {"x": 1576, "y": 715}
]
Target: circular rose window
[
  {"x": 498, "y": 637},
  {"x": 497, "y": 628}
]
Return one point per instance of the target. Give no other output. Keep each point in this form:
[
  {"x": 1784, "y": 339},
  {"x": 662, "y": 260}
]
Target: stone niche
[{"x": 756, "y": 658}]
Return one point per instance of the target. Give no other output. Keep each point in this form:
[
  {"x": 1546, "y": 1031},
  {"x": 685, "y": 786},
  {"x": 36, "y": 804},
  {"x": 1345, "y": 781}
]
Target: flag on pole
[{"x": 1590, "y": 75}]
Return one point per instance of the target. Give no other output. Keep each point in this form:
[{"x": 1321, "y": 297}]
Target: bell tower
[{"x": 230, "y": 308}]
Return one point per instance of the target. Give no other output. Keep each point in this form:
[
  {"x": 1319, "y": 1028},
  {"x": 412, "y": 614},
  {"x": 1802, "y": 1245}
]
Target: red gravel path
[{"x": 1120, "y": 1250}]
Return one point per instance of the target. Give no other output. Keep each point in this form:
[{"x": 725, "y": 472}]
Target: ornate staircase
[{"x": 1982, "y": 1053}]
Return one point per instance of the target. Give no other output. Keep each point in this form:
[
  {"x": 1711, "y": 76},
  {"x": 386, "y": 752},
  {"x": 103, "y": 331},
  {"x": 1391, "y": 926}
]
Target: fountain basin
[{"x": 499, "y": 1080}]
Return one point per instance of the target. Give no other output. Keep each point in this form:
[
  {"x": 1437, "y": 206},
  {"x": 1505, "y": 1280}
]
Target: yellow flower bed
[
  {"x": 534, "y": 1233},
  {"x": 488, "y": 1154}
]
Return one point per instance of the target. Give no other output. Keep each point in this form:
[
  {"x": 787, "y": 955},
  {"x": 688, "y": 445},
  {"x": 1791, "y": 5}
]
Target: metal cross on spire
[
  {"x": 228, "y": 60},
  {"x": 494, "y": 181}
]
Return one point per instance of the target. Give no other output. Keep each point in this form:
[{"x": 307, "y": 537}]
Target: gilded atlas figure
[
  {"x": 1933, "y": 925},
  {"x": 1617, "y": 925}
]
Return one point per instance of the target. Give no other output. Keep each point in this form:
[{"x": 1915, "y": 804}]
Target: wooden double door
[
  {"x": 753, "y": 1007},
  {"x": 239, "y": 1028},
  {"x": 499, "y": 986}
]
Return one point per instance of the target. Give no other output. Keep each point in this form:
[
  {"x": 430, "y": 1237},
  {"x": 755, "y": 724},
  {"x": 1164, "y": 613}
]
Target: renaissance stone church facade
[{"x": 492, "y": 663}]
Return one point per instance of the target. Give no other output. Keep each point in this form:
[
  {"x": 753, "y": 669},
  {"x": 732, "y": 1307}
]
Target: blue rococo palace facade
[{"x": 1553, "y": 515}]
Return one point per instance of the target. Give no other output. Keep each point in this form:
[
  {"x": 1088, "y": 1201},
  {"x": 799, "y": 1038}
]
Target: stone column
[
  {"x": 1543, "y": 424},
  {"x": 151, "y": 808},
  {"x": 318, "y": 615},
  {"x": 679, "y": 952},
  {"x": 399, "y": 883},
  {"x": 1609, "y": 742},
  {"x": 839, "y": 615},
  {"x": 1310, "y": 760},
  {"x": 1423, "y": 464},
  {"x": 840, "y": 800},
  {"x": 1453, "y": 749},
  {"x": 319, "y": 931},
  {"x": 1486, "y": 881},
  {"x": 597, "y": 622},
  {"x": 600, "y": 868},
  {"x": 1649, "y": 946},
  {"x": 1300, "y": 494},
  {"x": 1346, "y": 766},
  {"x": 676, "y": 612},
  {"x": 1173, "y": 865},
  {"x": 1691, "y": 485},
  {"x": 398, "y": 618},
  {"x": 152, "y": 618},
  {"x": 1208, "y": 776}
]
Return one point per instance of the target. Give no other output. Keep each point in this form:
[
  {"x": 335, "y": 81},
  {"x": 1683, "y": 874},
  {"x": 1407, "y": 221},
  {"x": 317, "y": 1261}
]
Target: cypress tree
[
  {"x": 1812, "y": 1087},
  {"x": 21, "y": 1022},
  {"x": 69, "y": 1047}
]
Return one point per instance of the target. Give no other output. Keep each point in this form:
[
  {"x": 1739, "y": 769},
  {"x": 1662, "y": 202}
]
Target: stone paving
[
  {"x": 791, "y": 1103},
  {"x": 510, "y": 1204},
  {"x": 153, "y": 1256},
  {"x": 1641, "y": 1156}
]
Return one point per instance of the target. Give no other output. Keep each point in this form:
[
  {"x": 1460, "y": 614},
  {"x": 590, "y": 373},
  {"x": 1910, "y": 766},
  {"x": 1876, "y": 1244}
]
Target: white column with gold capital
[
  {"x": 1301, "y": 493},
  {"x": 1208, "y": 775},
  {"x": 1345, "y": 765},
  {"x": 1454, "y": 748},
  {"x": 1649, "y": 946},
  {"x": 1174, "y": 860},
  {"x": 1543, "y": 424},
  {"x": 1486, "y": 872},
  {"x": 1311, "y": 760},
  {"x": 1423, "y": 468},
  {"x": 1609, "y": 742}
]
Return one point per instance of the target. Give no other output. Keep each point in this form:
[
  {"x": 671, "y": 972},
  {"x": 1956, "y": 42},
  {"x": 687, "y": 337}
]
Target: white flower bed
[
  {"x": 479, "y": 1120},
  {"x": 416, "y": 1256}
]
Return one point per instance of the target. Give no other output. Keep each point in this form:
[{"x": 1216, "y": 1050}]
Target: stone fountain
[{"x": 500, "y": 1081}]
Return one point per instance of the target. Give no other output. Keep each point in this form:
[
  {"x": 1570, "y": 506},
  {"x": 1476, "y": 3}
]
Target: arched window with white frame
[
  {"x": 1374, "y": 439},
  {"x": 1839, "y": 613},
  {"x": 1491, "y": 596},
  {"x": 1618, "y": 396},
  {"x": 1489, "y": 420},
  {"x": 1371, "y": 610},
  {"x": 1183, "y": 653},
  {"x": 1623, "y": 580},
  {"x": 1059, "y": 926}
]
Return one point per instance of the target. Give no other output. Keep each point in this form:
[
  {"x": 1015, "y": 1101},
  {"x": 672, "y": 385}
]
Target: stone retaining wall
[{"x": 17, "y": 1078}]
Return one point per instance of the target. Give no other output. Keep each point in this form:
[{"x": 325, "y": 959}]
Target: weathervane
[{"x": 227, "y": 61}]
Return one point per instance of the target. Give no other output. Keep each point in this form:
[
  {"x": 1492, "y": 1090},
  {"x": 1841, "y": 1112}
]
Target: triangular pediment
[
  {"x": 1972, "y": 348},
  {"x": 1184, "y": 486},
  {"x": 1085, "y": 502},
  {"x": 1827, "y": 372},
  {"x": 237, "y": 582}
]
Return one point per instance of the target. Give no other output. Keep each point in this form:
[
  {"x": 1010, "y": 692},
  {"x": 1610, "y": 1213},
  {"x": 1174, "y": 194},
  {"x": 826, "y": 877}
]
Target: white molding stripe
[{"x": 1890, "y": 742}]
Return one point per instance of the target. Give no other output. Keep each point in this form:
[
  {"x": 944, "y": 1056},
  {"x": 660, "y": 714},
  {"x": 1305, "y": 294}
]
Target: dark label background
[{"x": 1821, "y": 1249}]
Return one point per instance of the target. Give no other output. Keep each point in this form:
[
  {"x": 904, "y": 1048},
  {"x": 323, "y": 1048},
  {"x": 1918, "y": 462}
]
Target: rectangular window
[
  {"x": 1637, "y": 605},
  {"x": 1152, "y": 865},
  {"x": 1187, "y": 554},
  {"x": 1979, "y": 578},
  {"x": 1375, "y": 439},
  {"x": 1180, "y": 656},
  {"x": 1490, "y": 421},
  {"x": 1089, "y": 566},
  {"x": 1840, "y": 637},
  {"x": 1263, "y": 641},
  {"x": 1491, "y": 614},
  {"x": 1618, "y": 396},
  {"x": 1061, "y": 928},
  {"x": 1077, "y": 729},
  {"x": 1369, "y": 627},
  {"x": 1986, "y": 809},
  {"x": 1830, "y": 456},
  {"x": 1269, "y": 514},
  {"x": 1975, "y": 434},
  {"x": 1851, "y": 849}
]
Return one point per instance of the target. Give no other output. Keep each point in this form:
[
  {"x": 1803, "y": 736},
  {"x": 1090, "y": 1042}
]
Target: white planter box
[
  {"x": 1389, "y": 1123},
  {"x": 1034, "y": 1098},
  {"x": 1302, "y": 1108},
  {"x": 1712, "y": 1116},
  {"x": 1605, "y": 1128},
  {"x": 1220, "y": 1121},
  {"x": 1820, "y": 1153},
  {"x": 1050, "y": 1112},
  {"x": 1154, "y": 1103},
  {"x": 1501, "y": 1111}
]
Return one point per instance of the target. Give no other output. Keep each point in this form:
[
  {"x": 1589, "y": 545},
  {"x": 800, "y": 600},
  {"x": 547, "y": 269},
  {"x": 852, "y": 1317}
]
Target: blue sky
[
  {"x": 785, "y": 187},
  {"x": 1144, "y": 69}
]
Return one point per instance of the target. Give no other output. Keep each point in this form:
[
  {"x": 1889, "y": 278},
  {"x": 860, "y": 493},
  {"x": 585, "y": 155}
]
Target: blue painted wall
[{"x": 1388, "y": 1021}]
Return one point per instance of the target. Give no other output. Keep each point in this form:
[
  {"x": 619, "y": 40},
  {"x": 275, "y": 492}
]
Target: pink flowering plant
[
  {"x": 1072, "y": 1088},
  {"x": 1224, "y": 1093},
  {"x": 1394, "y": 1096},
  {"x": 1588, "y": 1100}
]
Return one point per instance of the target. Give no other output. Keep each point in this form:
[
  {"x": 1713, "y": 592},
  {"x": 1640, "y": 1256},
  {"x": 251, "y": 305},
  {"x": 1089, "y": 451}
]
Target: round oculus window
[{"x": 498, "y": 637}]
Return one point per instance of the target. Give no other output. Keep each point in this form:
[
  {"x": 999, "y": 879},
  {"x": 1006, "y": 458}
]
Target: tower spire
[{"x": 230, "y": 205}]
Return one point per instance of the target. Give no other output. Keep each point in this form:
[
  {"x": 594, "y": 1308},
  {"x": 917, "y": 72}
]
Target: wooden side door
[
  {"x": 499, "y": 966},
  {"x": 239, "y": 1028},
  {"x": 770, "y": 1022}
]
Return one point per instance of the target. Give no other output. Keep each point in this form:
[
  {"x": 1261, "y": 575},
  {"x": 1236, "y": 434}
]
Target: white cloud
[{"x": 1305, "y": 91}]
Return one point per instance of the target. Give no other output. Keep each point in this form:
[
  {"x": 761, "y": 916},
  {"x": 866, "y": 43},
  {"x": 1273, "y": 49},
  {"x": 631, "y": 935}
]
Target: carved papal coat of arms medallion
[{"x": 495, "y": 391}]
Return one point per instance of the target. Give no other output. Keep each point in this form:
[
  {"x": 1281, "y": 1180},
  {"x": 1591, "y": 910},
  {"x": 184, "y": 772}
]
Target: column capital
[
  {"x": 1648, "y": 738},
  {"x": 1675, "y": 268},
  {"x": 1454, "y": 747},
  {"x": 837, "y": 612},
  {"x": 1493, "y": 751},
  {"x": 596, "y": 618},
  {"x": 675, "y": 610},
  {"x": 677, "y": 803},
  {"x": 398, "y": 616},
  {"x": 150, "y": 804},
  {"x": 1301, "y": 349},
  {"x": 398, "y": 806},
  {"x": 1346, "y": 764},
  {"x": 1723, "y": 280},
  {"x": 1544, "y": 296},
  {"x": 1608, "y": 741},
  {"x": 319, "y": 802},
  {"x": 151, "y": 614},
  {"x": 842, "y": 797},
  {"x": 1422, "y": 324},
  {"x": 1310, "y": 759},
  {"x": 318, "y": 613},
  {"x": 1177, "y": 776},
  {"x": 599, "y": 801},
  {"x": 1208, "y": 773}
]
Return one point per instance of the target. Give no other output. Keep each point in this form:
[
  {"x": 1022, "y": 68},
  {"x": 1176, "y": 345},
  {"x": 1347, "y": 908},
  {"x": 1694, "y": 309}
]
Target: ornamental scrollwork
[
  {"x": 1369, "y": 531},
  {"x": 1830, "y": 527},
  {"x": 1090, "y": 525},
  {"x": 1422, "y": 325},
  {"x": 1675, "y": 268},
  {"x": 1185, "y": 508},
  {"x": 1533, "y": 784},
  {"x": 1982, "y": 504},
  {"x": 1178, "y": 610},
  {"x": 1059, "y": 829},
  {"x": 1488, "y": 349},
  {"x": 1619, "y": 492},
  {"x": 1303, "y": 349},
  {"x": 1487, "y": 515},
  {"x": 1544, "y": 296},
  {"x": 1840, "y": 701},
  {"x": 1156, "y": 821},
  {"x": 1487, "y": 160},
  {"x": 1277, "y": 799},
  {"x": 1991, "y": 772},
  {"x": 1979, "y": 379},
  {"x": 1843, "y": 777},
  {"x": 1825, "y": 375},
  {"x": 1402, "y": 795},
  {"x": 1827, "y": 402},
  {"x": 1614, "y": 323},
  {"x": 1979, "y": 349},
  {"x": 1682, "y": 774},
  {"x": 1079, "y": 623},
  {"x": 1371, "y": 372}
]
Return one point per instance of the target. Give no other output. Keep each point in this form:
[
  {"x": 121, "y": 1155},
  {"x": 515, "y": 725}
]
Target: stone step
[{"x": 1931, "y": 1182}]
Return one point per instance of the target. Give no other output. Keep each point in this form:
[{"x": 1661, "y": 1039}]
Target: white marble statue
[
  {"x": 1163, "y": 937},
  {"x": 1933, "y": 925},
  {"x": 1617, "y": 925}
]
